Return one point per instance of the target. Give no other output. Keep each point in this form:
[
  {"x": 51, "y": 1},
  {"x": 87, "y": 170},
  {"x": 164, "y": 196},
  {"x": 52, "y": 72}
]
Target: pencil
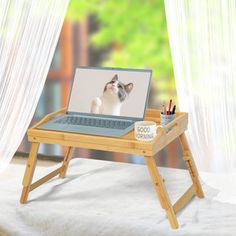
[
  {"x": 162, "y": 109},
  {"x": 169, "y": 112},
  {"x": 164, "y": 112}
]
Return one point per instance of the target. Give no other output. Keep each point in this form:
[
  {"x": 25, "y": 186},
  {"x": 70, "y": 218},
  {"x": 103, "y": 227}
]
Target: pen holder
[{"x": 165, "y": 119}]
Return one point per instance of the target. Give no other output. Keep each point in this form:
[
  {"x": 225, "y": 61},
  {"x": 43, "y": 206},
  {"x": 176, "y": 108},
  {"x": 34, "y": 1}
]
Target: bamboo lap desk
[{"x": 125, "y": 144}]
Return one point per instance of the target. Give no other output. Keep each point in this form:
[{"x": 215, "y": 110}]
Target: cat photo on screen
[{"x": 114, "y": 95}]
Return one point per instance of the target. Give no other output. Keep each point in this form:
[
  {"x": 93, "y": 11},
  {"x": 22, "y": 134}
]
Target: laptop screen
[{"x": 110, "y": 91}]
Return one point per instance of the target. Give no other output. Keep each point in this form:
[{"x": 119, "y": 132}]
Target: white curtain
[
  {"x": 29, "y": 31},
  {"x": 202, "y": 37}
]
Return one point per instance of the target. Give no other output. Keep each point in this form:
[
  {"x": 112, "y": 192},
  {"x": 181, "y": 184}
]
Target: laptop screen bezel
[{"x": 111, "y": 116}]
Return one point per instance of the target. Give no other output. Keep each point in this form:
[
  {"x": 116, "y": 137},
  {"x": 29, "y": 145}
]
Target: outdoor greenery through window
[
  {"x": 126, "y": 34},
  {"x": 136, "y": 32}
]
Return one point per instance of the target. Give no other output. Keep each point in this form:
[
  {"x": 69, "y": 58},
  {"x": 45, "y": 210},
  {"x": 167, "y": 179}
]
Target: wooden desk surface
[{"x": 125, "y": 144}]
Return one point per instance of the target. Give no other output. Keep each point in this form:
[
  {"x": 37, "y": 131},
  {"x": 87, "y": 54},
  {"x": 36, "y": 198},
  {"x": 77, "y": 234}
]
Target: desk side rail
[
  {"x": 48, "y": 117},
  {"x": 166, "y": 134}
]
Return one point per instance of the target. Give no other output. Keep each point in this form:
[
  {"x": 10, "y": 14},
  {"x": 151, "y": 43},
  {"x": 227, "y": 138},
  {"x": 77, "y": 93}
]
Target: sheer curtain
[
  {"x": 202, "y": 37},
  {"x": 29, "y": 32}
]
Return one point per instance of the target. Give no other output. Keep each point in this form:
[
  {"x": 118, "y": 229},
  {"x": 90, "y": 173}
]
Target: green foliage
[{"x": 137, "y": 29}]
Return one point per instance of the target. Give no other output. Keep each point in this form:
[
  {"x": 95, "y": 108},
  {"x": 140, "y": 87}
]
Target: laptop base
[{"x": 51, "y": 125}]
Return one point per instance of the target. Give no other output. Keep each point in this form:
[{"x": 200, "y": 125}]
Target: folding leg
[
  {"x": 30, "y": 168},
  {"x": 66, "y": 161},
  {"x": 187, "y": 157},
  {"x": 161, "y": 191},
  {"x": 29, "y": 172}
]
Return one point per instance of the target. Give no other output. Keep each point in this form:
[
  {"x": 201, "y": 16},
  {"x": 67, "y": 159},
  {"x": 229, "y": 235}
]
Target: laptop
[{"x": 104, "y": 101}]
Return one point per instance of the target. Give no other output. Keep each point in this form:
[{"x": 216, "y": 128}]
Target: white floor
[{"x": 107, "y": 198}]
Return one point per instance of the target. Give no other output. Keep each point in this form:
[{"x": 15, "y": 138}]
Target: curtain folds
[
  {"x": 29, "y": 31},
  {"x": 202, "y": 37}
]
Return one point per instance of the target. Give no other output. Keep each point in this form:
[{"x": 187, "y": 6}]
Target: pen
[
  {"x": 169, "y": 112},
  {"x": 164, "y": 109},
  {"x": 173, "y": 111}
]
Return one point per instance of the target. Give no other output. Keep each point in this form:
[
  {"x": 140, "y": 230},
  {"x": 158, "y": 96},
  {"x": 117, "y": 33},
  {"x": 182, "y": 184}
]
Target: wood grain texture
[
  {"x": 45, "y": 178},
  {"x": 126, "y": 144},
  {"x": 66, "y": 161},
  {"x": 184, "y": 199},
  {"x": 187, "y": 157},
  {"x": 162, "y": 194},
  {"x": 29, "y": 172}
]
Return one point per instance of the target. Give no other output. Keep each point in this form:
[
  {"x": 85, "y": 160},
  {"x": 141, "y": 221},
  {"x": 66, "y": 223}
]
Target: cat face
[{"x": 117, "y": 88}]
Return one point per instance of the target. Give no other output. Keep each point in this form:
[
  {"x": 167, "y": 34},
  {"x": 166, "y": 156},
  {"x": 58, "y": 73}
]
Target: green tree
[{"x": 136, "y": 30}]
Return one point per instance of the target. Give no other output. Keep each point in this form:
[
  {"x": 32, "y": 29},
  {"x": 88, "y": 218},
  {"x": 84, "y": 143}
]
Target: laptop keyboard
[{"x": 94, "y": 122}]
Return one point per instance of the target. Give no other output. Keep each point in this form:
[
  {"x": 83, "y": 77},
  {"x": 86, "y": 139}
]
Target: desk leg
[
  {"x": 66, "y": 161},
  {"x": 29, "y": 172},
  {"x": 187, "y": 157},
  {"x": 161, "y": 191}
]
